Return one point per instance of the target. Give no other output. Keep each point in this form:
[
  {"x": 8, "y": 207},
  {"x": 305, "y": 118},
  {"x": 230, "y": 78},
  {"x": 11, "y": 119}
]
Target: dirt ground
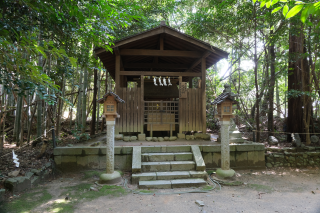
[{"x": 282, "y": 190}]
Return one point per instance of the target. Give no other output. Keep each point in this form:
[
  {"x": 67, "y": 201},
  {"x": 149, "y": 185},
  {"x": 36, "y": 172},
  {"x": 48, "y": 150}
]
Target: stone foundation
[
  {"x": 242, "y": 156},
  {"x": 293, "y": 157}
]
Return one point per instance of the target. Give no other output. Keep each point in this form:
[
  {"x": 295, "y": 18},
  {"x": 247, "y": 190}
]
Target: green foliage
[
  {"x": 35, "y": 33},
  {"x": 308, "y": 8},
  {"x": 26, "y": 202},
  {"x": 80, "y": 193}
]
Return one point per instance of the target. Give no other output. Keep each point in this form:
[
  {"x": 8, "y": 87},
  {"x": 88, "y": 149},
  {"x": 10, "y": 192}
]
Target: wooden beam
[
  {"x": 180, "y": 108},
  {"x": 116, "y": 51},
  {"x": 160, "y": 73},
  {"x": 161, "y": 42},
  {"x": 196, "y": 42},
  {"x": 203, "y": 96},
  {"x": 168, "y": 53},
  {"x": 155, "y": 65},
  {"x": 117, "y": 73},
  {"x": 142, "y": 104},
  {"x": 190, "y": 82},
  {"x": 194, "y": 64}
]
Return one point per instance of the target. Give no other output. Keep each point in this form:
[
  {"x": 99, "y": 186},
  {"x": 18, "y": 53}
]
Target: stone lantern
[
  {"x": 110, "y": 102},
  {"x": 224, "y": 104}
]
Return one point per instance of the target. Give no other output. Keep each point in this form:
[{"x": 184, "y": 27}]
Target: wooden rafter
[
  {"x": 170, "y": 53},
  {"x": 155, "y": 65},
  {"x": 197, "y": 62},
  {"x": 160, "y": 73}
]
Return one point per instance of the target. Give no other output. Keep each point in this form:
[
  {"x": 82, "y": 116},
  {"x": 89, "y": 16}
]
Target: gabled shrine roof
[
  {"x": 110, "y": 93},
  {"x": 149, "y": 40},
  {"x": 223, "y": 97}
]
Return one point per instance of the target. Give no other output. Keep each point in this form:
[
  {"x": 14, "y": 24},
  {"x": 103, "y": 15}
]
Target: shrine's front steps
[{"x": 168, "y": 167}]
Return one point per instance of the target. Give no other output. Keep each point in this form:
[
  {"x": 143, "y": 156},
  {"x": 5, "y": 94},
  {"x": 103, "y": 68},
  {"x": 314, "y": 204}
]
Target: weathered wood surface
[
  {"x": 131, "y": 111},
  {"x": 160, "y": 118},
  {"x": 190, "y": 111}
]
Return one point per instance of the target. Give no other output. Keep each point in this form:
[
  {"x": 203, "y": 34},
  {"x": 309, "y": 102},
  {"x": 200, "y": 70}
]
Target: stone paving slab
[
  {"x": 136, "y": 159},
  {"x": 143, "y": 177},
  {"x": 156, "y": 157},
  {"x": 198, "y": 174},
  {"x": 181, "y": 183},
  {"x": 182, "y": 165},
  {"x": 155, "y": 184},
  {"x": 155, "y": 166},
  {"x": 172, "y": 175},
  {"x": 200, "y": 165},
  {"x": 178, "y": 148},
  {"x": 183, "y": 156}
]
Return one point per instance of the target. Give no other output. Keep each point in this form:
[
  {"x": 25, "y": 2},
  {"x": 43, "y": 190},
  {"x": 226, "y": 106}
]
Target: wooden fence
[
  {"x": 131, "y": 112},
  {"x": 190, "y": 109}
]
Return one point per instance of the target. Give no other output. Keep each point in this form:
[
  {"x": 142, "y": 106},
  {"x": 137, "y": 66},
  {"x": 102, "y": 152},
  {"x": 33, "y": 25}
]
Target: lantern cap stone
[
  {"x": 226, "y": 95},
  {"x": 110, "y": 93}
]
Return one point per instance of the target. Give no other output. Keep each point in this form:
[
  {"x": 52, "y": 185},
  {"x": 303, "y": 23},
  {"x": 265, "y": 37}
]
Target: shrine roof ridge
[
  {"x": 224, "y": 96},
  {"x": 110, "y": 93}
]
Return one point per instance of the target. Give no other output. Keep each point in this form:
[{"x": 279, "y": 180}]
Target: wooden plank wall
[
  {"x": 190, "y": 111},
  {"x": 130, "y": 112}
]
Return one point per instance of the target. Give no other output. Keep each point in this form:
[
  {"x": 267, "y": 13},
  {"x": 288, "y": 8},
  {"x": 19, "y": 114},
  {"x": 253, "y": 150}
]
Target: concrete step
[
  {"x": 174, "y": 156},
  {"x": 172, "y": 175},
  {"x": 165, "y": 166},
  {"x": 165, "y": 149},
  {"x": 169, "y": 184}
]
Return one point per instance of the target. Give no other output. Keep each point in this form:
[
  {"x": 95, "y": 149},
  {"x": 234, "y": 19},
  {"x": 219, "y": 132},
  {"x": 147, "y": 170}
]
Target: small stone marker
[
  {"x": 296, "y": 140},
  {"x": 14, "y": 173},
  {"x": 199, "y": 203},
  {"x": 314, "y": 139},
  {"x": 273, "y": 140}
]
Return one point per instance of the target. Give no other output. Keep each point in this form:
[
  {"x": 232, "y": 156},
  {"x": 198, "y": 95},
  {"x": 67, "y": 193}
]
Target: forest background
[{"x": 50, "y": 78}]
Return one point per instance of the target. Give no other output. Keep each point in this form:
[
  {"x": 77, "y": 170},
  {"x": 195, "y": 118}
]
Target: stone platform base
[
  {"x": 242, "y": 156},
  {"x": 225, "y": 173},
  {"x": 105, "y": 178}
]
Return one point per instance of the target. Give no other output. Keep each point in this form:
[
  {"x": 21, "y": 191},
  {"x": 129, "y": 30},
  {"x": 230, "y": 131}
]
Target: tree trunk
[
  {"x": 30, "y": 126},
  {"x": 71, "y": 107},
  {"x": 2, "y": 116},
  {"x": 278, "y": 99},
  {"x": 58, "y": 123},
  {"x": 17, "y": 122},
  {"x": 271, "y": 87},
  {"x": 94, "y": 102},
  {"x": 79, "y": 100},
  {"x": 295, "y": 111},
  {"x": 305, "y": 71},
  {"x": 98, "y": 96},
  {"x": 256, "y": 76},
  {"x": 84, "y": 99}
]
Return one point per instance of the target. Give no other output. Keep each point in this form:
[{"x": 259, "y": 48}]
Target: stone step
[
  {"x": 174, "y": 156},
  {"x": 165, "y": 149},
  {"x": 167, "y": 175},
  {"x": 169, "y": 184},
  {"x": 165, "y": 166}
]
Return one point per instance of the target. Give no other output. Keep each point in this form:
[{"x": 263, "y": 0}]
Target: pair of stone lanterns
[
  {"x": 110, "y": 102},
  {"x": 224, "y": 104}
]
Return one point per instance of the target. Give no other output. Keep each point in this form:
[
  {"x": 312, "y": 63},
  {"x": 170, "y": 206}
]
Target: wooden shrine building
[{"x": 170, "y": 55}]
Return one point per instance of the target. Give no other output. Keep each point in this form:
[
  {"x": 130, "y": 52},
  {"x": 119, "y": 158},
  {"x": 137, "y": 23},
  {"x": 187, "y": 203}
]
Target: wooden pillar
[
  {"x": 117, "y": 73},
  {"x": 190, "y": 82},
  {"x": 203, "y": 95},
  {"x": 117, "y": 81},
  {"x": 180, "y": 107},
  {"x": 142, "y": 103}
]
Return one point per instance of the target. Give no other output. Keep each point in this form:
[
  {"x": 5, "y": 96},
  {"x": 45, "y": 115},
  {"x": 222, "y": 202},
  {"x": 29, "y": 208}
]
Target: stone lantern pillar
[
  {"x": 224, "y": 104},
  {"x": 110, "y": 101}
]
